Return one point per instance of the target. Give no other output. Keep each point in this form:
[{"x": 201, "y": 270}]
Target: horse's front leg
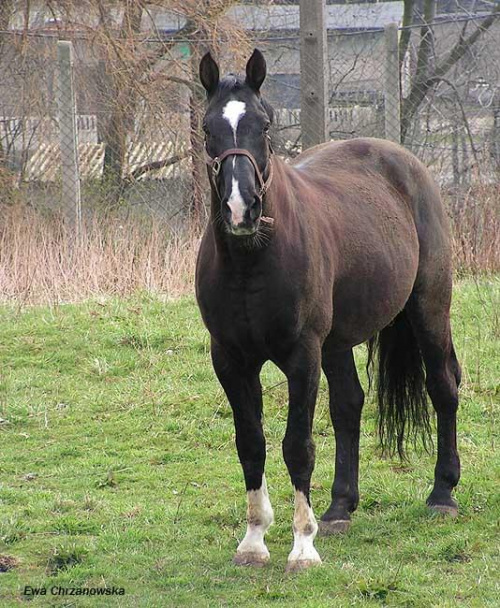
[
  {"x": 303, "y": 371},
  {"x": 242, "y": 387}
]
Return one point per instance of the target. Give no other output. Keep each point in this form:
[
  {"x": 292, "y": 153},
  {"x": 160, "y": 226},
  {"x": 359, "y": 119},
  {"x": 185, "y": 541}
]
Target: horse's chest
[{"x": 249, "y": 313}]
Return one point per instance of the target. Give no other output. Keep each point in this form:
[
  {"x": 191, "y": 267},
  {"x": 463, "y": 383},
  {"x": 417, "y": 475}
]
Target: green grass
[{"x": 118, "y": 467}]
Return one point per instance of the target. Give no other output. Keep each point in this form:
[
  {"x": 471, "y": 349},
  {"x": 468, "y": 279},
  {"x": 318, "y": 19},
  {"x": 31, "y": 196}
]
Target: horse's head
[{"x": 236, "y": 126}]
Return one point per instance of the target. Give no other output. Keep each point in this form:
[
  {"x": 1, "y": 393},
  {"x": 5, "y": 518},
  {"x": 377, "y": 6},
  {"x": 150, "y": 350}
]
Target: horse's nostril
[
  {"x": 255, "y": 208},
  {"x": 226, "y": 210}
]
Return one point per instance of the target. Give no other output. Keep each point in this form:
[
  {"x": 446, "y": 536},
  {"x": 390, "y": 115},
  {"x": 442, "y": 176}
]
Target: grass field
[{"x": 118, "y": 468}]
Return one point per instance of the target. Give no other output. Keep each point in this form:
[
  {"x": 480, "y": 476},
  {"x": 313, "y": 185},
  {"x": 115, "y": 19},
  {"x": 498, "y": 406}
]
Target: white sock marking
[
  {"x": 305, "y": 529},
  {"x": 259, "y": 517},
  {"x": 233, "y": 112}
]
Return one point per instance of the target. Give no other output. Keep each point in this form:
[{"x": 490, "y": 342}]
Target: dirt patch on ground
[{"x": 7, "y": 563}]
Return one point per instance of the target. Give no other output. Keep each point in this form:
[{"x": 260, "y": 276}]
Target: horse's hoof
[
  {"x": 251, "y": 559},
  {"x": 301, "y": 564},
  {"x": 449, "y": 510},
  {"x": 333, "y": 526}
]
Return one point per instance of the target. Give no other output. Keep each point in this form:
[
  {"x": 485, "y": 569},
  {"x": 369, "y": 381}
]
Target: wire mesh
[{"x": 137, "y": 102}]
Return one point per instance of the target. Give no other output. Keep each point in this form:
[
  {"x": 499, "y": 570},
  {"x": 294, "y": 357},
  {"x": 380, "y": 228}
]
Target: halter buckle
[{"x": 216, "y": 165}]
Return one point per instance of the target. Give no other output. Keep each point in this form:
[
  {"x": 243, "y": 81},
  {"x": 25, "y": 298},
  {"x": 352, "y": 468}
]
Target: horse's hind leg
[
  {"x": 346, "y": 403},
  {"x": 429, "y": 315},
  {"x": 242, "y": 387}
]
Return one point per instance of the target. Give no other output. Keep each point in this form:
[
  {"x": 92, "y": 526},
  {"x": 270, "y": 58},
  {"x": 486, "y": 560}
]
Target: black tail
[{"x": 402, "y": 398}]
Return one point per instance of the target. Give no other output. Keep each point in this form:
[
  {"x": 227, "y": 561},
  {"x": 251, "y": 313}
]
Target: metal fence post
[
  {"x": 392, "y": 96},
  {"x": 68, "y": 133},
  {"x": 313, "y": 73}
]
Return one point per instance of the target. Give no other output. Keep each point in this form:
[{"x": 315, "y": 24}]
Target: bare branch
[{"x": 154, "y": 166}]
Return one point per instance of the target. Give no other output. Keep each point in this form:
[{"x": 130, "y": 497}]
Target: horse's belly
[{"x": 365, "y": 303}]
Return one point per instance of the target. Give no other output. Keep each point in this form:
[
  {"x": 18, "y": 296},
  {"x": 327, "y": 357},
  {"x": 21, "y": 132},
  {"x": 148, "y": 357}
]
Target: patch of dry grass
[
  {"x": 475, "y": 219},
  {"x": 41, "y": 260}
]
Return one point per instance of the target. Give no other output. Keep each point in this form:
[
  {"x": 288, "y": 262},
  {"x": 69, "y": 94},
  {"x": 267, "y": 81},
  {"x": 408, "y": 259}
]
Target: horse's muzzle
[{"x": 246, "y": 223}]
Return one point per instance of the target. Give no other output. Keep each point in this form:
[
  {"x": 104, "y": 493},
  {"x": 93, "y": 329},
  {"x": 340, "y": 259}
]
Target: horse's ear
[
  {"x": 209, "y": 73},
  {"x": 256, "y": 70}
]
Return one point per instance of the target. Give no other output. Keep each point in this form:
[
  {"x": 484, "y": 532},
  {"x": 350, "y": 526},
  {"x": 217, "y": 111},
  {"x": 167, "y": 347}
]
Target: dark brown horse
[{"x": 300, "y": 263}]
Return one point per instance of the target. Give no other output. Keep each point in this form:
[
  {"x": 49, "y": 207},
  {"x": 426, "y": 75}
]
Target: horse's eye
[{"x": 266, "y": 128}]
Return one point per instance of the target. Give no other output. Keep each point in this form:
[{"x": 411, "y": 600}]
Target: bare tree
[
  {"x": 430, "y": 73},
  {"x": 119, "y": 78},
  {"x": 137, "y": 68}
]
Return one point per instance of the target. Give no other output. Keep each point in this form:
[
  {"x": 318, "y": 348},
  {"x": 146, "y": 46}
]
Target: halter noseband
[{"x": 215, "y": 163}]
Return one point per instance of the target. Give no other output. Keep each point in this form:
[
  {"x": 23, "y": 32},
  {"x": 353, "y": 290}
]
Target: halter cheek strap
[{"x": 215, "y": 163}]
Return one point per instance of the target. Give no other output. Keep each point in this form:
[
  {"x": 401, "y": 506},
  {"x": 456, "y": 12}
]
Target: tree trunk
[
  {"x": 124, "y": 101},
  {"x": 404, "y": 39},
  {"x": 425, "y": 48},
  {"x": 196, "y": 108},
  {"x": 6, "y": 10}
]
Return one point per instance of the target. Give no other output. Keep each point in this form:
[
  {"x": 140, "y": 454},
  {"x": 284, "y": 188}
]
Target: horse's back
[
  {"x": 393, "y": 228},
  {"x": 371, "y": 162},
  {"x": 367, "y": 159}
]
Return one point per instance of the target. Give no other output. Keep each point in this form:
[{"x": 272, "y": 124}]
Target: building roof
[
  {"x": 263, "y": 18},
  {"x": 286, "y": 18}
]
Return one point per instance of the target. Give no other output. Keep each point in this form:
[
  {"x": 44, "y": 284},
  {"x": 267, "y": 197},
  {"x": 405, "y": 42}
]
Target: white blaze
[
  {"x": 236, "y": 203},
  {"x": 305, "y": 529},
  {"x": 259, "y": 517},
  {"x": 233, "y": 112}
]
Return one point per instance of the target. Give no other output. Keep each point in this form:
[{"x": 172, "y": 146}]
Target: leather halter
[{"x": 215, "y": 164}]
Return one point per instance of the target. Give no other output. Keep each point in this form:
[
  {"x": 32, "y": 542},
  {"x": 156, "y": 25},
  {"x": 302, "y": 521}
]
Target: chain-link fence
[
  {"x": 110, "y": 122},
  {"x": 448, "y": 116}
]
